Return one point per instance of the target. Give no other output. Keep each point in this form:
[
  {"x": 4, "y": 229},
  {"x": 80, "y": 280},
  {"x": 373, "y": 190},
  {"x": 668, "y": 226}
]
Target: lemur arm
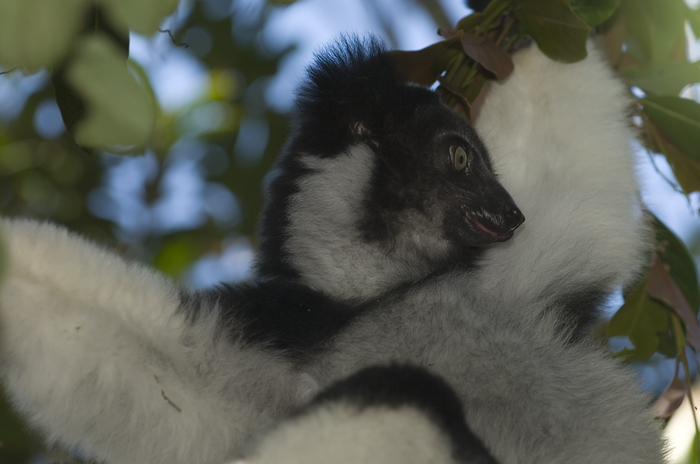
[
  {"x": 560, "y": 140},
  {"x": 98, "y": 354}
]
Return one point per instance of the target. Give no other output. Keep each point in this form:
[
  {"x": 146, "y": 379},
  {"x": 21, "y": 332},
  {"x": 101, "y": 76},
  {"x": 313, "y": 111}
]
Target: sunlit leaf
[
  {"x": 560, "y": 33},
  {"x": 120, "y": 112},
  {"x": 38, "y": 33},
  {"x": 693, "y": 18},
  {"x": 68, "y": 99},
  {"x": 679, "y": 119},
  {"x": 595, "y": 12},
  {"x": 140, "y": 16},
  {"x": 663, "y": 78},
  {"x": 640, "y": 319},
  {"x": 654, "y": 28}
]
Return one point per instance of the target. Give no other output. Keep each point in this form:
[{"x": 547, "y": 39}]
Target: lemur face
[
  {"x": 378, "y": 164},
  {"x": 429, "y": 161}
]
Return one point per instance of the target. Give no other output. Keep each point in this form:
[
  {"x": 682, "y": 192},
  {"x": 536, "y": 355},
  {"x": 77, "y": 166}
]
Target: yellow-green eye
[{"x": 458, "y": 157}]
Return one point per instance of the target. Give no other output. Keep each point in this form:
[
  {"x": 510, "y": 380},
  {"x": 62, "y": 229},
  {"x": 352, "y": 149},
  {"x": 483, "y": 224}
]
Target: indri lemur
[{"x": 381, "y": 242}]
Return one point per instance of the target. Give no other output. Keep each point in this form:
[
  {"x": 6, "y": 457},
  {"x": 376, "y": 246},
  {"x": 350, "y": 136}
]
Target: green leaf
[
  {"x": 68, "y": 99},
  {"x": 175, "y": 255},
  {"x": 560, "y": 33},
  {"x": 668, "y": 345},
  {"x": 638, "y": 29},
  {"x": 685, "y": 168},
  {"x": 38, "y": 33},
  {"x": 664, "y": 289},
  {"x": 494, "y": 8},
  {"x": 120, "y": 112},
  {"x": 663, "y": 78},
  {"x": 679, "y": 120},
  {"x": 140, "y": 16},
  {"x": 653, "y": 28},
  {"x": 681, "y": 266},
  {"x": 642, "y": 320},
  {"x": 595, "y": 12}
]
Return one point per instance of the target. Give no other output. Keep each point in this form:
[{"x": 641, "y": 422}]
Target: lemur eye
[{"x": 458, "y": 157}]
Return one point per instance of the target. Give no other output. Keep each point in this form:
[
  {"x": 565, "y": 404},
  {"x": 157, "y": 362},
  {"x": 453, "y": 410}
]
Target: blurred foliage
[{"x": 108, "y": 107}]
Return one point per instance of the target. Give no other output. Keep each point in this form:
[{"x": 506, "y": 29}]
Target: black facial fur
[
  {"x": 395, "y": 386},
  {"x": 354, "y": 95}
]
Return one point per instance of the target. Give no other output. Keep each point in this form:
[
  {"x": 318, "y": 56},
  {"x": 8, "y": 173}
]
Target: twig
[{"x": 172, "y": 38}]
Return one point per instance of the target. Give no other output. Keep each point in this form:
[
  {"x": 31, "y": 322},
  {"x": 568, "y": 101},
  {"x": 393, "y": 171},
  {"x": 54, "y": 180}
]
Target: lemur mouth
[{"x": 512, "y": 222}]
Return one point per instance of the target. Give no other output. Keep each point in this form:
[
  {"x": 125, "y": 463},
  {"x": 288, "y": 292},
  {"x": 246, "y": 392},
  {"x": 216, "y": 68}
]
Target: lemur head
[{"x": 379, "y": 177}]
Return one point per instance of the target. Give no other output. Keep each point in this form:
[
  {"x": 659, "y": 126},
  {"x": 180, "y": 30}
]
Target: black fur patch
[
  {"x": 402, "y": 385},
  {"x": 582, "y": 310},
  {"x": 278, "y": 315},
  {"x": 272, "y": 259},
  {"x": 579, "y": 310}
]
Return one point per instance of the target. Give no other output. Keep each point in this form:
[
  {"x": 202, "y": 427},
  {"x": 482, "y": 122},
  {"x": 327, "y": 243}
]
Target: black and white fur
[
  {"x": 380, "y": 415},
  {"x": 373, "y": 251}
]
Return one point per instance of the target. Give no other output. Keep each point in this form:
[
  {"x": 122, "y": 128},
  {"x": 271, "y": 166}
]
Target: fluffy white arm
[
  {"x": 560, "y": 138},
  {"x": 97, "y": 353}
]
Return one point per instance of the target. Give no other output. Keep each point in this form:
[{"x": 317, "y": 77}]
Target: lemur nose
[{"x": 514, "y": 218}]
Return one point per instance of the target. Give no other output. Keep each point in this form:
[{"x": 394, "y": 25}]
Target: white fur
[
  {"x": 561, "y": 142},
  {"x": 324, "y": 215},
  {"x": 343, "y": 434},
  {"x": 95, "y": 353},
  {"x": 91, "y": 346}
]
